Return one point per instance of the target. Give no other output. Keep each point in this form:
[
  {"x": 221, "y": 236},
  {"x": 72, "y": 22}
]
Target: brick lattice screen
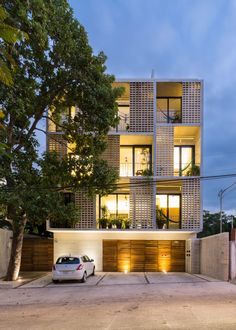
[
  {"x": 191, "y": 214},
  {"x": 165, "y": 150},
  {"x": 141, "y": 106},
  {"x": 141, "y": 203},
  {"x": 112, "y": 152},
  {"x": 87, "y": 211},
  {"x": 57, "y": 143},
  {"x": 191, "y": 103}
]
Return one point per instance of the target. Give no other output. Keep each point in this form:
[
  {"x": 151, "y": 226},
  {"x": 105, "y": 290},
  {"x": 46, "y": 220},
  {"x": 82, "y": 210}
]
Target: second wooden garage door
[{"x": 143, "y": 255}]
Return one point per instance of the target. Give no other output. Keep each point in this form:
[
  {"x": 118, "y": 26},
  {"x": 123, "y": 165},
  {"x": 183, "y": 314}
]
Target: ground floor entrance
[{"x": 144, "y": 255}]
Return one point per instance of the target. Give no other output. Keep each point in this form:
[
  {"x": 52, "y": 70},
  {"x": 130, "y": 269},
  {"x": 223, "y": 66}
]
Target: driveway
[
  {"x": 113, "y": 301},
  {"x": 105, "y": 279}
]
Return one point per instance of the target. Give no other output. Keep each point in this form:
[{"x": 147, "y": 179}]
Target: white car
[{"x": 72, "y": 268}]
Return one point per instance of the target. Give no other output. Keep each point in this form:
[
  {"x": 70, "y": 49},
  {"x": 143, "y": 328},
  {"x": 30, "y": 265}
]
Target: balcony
[
  {"x": 169, "y": 110},
  {"x": 135, "y": 160},
  {"x": 137, "y": 169}
]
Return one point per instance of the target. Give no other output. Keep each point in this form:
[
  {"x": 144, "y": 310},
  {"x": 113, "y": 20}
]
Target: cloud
[{"x": 179, "y": 39}]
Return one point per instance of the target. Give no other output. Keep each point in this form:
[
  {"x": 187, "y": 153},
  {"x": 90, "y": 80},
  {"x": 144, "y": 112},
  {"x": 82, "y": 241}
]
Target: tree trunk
[{"x": 16, "y": 250}]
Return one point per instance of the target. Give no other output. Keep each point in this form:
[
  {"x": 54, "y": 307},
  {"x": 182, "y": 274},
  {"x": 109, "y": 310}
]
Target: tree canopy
[{"x": 55, "y": 70}]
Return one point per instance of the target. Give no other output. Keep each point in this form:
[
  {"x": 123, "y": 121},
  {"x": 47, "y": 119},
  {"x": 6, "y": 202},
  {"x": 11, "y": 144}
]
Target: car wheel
[
  {"x": 55, "y": 281},
  {"x": 84, "y": 278},
  {"x": 93, "y": 273}
]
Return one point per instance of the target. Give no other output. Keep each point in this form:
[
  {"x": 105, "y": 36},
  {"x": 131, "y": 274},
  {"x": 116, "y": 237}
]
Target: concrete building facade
[{"x": 157, "y": 150}]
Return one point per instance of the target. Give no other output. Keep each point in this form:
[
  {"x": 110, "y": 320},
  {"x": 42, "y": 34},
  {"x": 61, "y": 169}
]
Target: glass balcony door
[
  {"x": 169, "y": 109},
  {"x": 134, "y": 160},
  {"x": 168, "y": 211},
  {"x": 114, "y": 206},
  {"x": 183, "y": 160}
]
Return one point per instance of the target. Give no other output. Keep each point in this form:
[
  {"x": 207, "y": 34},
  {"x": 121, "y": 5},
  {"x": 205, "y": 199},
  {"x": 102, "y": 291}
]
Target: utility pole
[{"x": 221, "y": 195}]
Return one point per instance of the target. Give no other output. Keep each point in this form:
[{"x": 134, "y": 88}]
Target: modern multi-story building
[{"x": 156, "y": 148}]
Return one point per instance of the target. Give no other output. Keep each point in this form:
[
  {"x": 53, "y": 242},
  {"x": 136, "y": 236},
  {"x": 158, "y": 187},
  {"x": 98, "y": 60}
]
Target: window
[
  {"x": 68, "y": 261},
  {"x": 68, "y": 198},
  {"x": 183, "y": 160},
  {"x": 134, "y": 160},
  {"x": 169, "y": 109},
  {"x": 168, "y": 211},
  {"x": 114, "y": 206}
]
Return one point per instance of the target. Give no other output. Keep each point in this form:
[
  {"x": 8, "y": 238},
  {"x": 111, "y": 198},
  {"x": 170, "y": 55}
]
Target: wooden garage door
[
  {"x": 143, "y": 255},
  {"x": 37, "y": 254}
]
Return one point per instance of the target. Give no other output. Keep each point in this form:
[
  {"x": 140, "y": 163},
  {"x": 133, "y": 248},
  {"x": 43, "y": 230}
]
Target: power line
[{"x": 140, "y": 182}]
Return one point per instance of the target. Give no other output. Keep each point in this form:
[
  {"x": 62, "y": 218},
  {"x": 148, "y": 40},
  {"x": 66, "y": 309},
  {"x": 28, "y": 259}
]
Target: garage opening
[{"x": 143, "y": 255}]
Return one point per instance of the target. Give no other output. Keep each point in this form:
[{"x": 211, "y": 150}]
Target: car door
[
  {"x": 89, "y": 265},
  {"x": 85, "y": 263}
]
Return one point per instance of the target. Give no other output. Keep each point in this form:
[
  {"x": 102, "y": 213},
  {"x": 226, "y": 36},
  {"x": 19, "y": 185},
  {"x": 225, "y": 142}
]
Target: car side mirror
[{"x": 91, "y": 260}]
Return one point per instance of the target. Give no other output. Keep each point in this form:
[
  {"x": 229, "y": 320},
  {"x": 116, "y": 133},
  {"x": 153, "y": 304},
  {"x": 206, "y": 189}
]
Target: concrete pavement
[
  {"x": 200, "y": 304},
  {"x": 41, "y": 280}
]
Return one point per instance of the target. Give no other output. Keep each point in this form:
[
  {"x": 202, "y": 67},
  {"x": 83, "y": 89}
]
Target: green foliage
[
  {"x": 211, "y": 223},
  {"x": 193, "y": 171},
  {"x": 9, "y": 35},
  {"x": 56, "y": 69}
]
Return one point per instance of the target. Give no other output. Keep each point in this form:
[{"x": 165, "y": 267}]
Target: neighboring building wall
[
  {"x": 5, "y": 250},
  {"x": 232, "y": 247},
  {"x": 214, "y": 256}
]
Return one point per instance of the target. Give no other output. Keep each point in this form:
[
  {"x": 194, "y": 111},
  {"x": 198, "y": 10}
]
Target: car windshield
[{"x": 68, "y": 260}]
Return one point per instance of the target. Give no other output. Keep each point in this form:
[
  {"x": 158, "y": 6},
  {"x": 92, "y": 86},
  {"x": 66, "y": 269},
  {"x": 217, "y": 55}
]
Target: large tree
[
  {"x": 56, "y": 69},
  {"x": 9, "y": 35}
]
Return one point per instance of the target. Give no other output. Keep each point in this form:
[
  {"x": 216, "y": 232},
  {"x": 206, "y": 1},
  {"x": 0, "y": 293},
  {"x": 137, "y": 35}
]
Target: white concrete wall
[
  {"x": 5, "y": 250},
  {"x": 192, "y": 256},
  {"x": 232, "y": 247},
  {"x": 214, "y": 256},
  {"x": 90, "y": 243}
]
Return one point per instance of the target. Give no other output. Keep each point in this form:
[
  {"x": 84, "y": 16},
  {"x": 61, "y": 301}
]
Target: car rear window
[{"x": 68, "y": 260}]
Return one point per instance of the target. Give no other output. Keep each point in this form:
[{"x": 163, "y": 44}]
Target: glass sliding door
[
  {"x": 114, "y": 206},
  {"x": 134, "y": 160},
  {"x": 142, "y": 159},
  {"x": 183, "y": 160},
  {"x": 126, "y": 161},
  {"x": 168, "y": 211}
]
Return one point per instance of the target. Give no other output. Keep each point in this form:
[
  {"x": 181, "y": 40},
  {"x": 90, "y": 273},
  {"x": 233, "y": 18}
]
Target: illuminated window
[
  {"x": 114, "y": 206},
  {"x": 134, "y": 160},
  {"x": 168, "y": 211},
  {"x": 183, "y": 160},
  {"x": 169, "y": 109}
]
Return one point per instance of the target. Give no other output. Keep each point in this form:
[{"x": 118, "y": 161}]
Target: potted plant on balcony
[
  {"x": 193, "y": 171},
  {"x": 103, "y": 223},
  {"x": 126, "y": 223},
  {"x": 117, "y": 223},
  {"x": 147, "y": 172},
  {"x": 109, "y": 223}
]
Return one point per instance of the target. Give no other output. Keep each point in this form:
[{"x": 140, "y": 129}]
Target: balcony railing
[{"x": 137, "y": 169}]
